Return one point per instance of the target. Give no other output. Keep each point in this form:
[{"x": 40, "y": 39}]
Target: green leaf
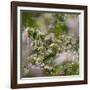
[{"x": 58, "y": 69}]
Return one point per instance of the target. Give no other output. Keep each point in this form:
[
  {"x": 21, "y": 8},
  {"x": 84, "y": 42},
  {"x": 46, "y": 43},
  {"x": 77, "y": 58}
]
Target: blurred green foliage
[{"x": 28, "y": 20}]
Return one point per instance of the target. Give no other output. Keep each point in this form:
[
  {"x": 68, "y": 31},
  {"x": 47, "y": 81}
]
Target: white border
[{"x": 53, "y": 78}]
